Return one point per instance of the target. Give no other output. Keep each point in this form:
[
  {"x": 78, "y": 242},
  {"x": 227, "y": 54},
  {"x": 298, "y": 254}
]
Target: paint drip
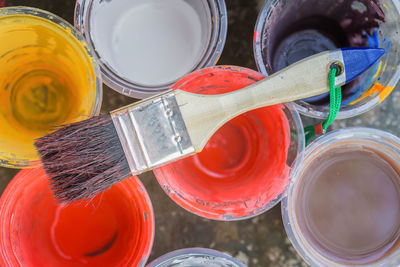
[{"x": 150, "y": 42}]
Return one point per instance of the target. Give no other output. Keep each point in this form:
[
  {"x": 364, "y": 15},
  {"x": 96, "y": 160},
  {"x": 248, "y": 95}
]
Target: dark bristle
[{"x": 83, "y": 159}]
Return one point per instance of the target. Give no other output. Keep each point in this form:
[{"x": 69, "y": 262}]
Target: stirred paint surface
[
  {"x": 149, "y": 42},
  {"x": 348, "y": 204},
  {"x": 115, "y": 229},
  {"x": 243, "y": 166},
  {"x": 46, "y": 79}
]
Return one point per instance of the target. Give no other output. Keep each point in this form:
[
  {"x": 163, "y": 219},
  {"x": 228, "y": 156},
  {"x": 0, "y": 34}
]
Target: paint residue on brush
[
  {"x": 71, "y": 183},
  {"x": 243, "y": 168}
]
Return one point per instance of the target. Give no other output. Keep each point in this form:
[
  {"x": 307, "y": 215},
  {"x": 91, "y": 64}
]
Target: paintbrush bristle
[{"x": 83, "y": 159}]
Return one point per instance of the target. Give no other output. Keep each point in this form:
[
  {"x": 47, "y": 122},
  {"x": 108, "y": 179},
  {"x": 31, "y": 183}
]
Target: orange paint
[
  {"x": 375, "y": 89},
  {"x": 243, "y": 166},
  {"x": 47, "y": 78},
  {"x": 115, "y": 229},
  {"x": 385, "y": 93}
]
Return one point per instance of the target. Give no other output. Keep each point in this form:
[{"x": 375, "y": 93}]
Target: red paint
[
  {"x": 255, "y": 36},
  {"x": 115, "y": 229},
  {"x": 243, "y": 166},
  {"x": 2, "y": 3},
  {"x": 318, "y": 129}
]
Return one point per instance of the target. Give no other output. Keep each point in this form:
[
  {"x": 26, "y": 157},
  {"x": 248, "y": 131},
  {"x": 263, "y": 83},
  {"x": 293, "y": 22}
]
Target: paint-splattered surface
[{"x": 260, "y": 241}]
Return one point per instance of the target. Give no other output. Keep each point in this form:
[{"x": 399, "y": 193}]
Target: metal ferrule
[{"x": 152, "y": 132}]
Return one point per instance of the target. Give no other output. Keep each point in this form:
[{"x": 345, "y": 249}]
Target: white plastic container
[
  {"x": 199, "y": 257},
  {"x": 378, "y": 203},
  {"x": 143, "y": 47}
]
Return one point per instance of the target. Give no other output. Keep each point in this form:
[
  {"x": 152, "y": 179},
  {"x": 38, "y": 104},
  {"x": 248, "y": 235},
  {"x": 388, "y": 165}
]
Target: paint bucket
[
  {"x": 199, "y": 257},
  {"x": 116, "y": 228},
  {"x": 48, "y": 77},
  {"x": 287, "y": 31},
  {"x": 244, "y": 168},
  {"x": 145, "y": 46},
  {"x": 343, "y": 203}
]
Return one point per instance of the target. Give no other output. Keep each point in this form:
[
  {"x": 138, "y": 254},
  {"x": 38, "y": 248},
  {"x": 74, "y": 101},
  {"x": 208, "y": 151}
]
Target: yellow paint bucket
[{"x": 48, "y": 77}]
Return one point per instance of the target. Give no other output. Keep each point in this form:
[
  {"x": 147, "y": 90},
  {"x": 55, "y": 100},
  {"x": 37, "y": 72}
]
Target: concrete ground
[{"x": 260, "y": 241}]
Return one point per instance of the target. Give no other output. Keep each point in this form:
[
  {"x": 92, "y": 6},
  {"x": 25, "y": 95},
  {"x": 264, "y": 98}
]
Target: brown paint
[{"x": 348, "y": 203}]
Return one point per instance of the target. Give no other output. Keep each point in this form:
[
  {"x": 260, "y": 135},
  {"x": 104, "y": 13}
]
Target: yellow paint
[
  {"x": 216, "y": 61},
  {"x": 385, "y": 92},
  {"x": 46, "y": 79},
  {"x": 378, "y": 70}
]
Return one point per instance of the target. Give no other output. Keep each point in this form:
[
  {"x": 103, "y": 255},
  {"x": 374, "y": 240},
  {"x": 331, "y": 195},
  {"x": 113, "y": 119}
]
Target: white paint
[{"x": 149, "y": 42}]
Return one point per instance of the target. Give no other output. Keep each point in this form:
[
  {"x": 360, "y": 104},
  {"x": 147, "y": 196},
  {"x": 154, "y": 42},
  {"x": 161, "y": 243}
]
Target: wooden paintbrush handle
[{"x": 204, "y": 114}]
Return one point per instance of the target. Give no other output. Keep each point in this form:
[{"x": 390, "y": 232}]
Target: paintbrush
[{"x": 85, "y": 158}]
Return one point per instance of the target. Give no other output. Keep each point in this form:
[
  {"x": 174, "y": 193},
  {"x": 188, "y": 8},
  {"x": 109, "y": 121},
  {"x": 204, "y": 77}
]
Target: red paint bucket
[
  {"x": 115, "y": 229},
  {"x": 244, "y": 168}
]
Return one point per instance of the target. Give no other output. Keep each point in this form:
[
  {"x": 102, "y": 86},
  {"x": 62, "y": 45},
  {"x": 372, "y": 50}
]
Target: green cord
[{"x": 335, "y": 99}]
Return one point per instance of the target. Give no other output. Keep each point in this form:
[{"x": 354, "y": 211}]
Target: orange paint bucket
[
  {"x": 244, "y": 168},
  {"x": 115, "y": 229}
]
